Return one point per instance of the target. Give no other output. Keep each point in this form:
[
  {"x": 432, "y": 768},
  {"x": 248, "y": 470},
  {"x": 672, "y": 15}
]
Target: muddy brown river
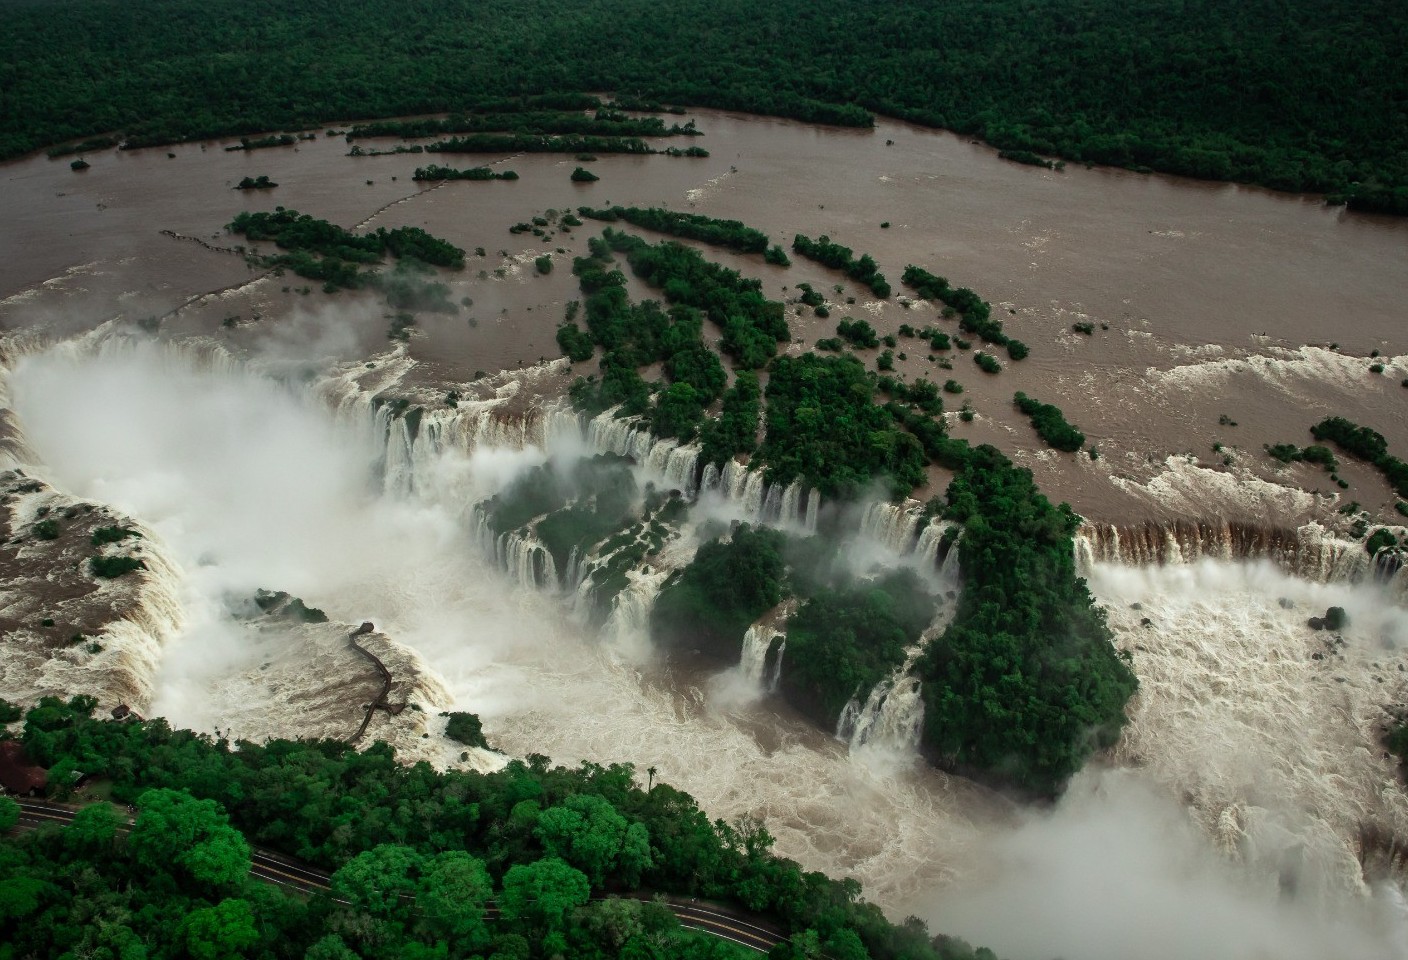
[{"x": 1209, "y": 302}]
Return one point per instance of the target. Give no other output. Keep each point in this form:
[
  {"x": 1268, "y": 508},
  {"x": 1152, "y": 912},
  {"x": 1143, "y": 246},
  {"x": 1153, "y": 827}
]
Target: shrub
[
  {"x": 952, "y": 386},
  {"x": 1050, "y": 423},
  {"x": 544, "y": 264},
  {"x": 465, "y": 728},
  {"x": 580, "y": 175},
  {"x": 47, "y": 529},
  {"x": 1086, "y": 328},
  {"x": 1017, "y": 350},
  {"x": 110, "y": 568},
  {"x": 105, "y": 535},
  {"x": 987, "y": 362}
]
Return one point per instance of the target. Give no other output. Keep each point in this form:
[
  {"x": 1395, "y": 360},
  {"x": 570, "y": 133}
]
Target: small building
[{"x": 17, "y": 774}]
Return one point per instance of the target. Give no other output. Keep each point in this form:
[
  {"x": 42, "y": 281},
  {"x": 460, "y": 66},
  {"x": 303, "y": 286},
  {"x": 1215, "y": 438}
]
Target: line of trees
[{"x": 837, "y": 257}]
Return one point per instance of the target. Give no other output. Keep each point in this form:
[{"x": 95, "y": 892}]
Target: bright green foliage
[
  {"x": 589, "y": 834},
  {"x": 375, "y": 880},
  {"x": 93, "y": 828},
  {"x": 174, "y": 829},
  {"x": 327, "y": 803},
  {"x": 1050, "y": 423},
  {"x": 220, "y": 932},
  {"x": 824, "y": 428},
  {"x": 542, "y": 894},
  {"x": 450, "y": 896}
]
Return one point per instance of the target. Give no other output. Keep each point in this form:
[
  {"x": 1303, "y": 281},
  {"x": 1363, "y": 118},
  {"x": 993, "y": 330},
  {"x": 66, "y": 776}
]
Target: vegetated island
[
  {"x": 1143, "y": 87},
  {"x": 823, "y": 427},
  {"x": 533, "y": 860}
]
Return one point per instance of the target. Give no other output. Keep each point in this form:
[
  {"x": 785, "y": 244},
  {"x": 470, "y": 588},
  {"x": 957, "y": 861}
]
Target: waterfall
[
  {"x": 1310, "y": 551},
  {"x": 758, "y": 644},
  {"x": 522, "y": 556},
  {"x": 892, "y": 716},
  {"x": 894, "y": 526},
  {"x": 627, "y": 627}
]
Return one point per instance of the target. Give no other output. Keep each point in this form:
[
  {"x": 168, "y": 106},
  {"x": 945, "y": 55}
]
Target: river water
[{"x": 1218, "y": 300}]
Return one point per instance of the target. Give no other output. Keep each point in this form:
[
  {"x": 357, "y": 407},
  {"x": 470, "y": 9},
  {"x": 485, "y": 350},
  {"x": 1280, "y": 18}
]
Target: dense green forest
[
  {"x": 1293, "y": 94},
  {"x": 535, "y": 841}
]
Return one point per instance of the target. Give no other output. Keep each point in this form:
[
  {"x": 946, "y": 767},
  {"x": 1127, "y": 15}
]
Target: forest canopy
[{"x": 1286, "y": 94}]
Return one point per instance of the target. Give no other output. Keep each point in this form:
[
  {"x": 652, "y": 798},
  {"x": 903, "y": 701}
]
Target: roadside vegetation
[{"x": 547, "y": 846}]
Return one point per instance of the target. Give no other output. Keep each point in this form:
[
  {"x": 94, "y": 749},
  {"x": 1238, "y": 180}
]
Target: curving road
[{"x": 713, "y": 919}]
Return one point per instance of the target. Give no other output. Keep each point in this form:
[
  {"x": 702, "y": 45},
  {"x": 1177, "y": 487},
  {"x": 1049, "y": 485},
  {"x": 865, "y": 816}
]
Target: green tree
[
  {"x": 221, "y": 931},
  {"x": 590, "y": 834},
  {"x": 375, "y": 880},
  {"x": 541, "y": 895},
  {"x": 9, "y": 814},
  {"x": 93, "y": 828},
  {"x": 451, "y": 894},
  {"x": 175, "y": 830}
]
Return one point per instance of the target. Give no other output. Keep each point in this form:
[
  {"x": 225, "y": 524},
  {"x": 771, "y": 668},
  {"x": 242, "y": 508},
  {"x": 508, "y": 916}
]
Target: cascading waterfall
[
  {"x": 1309, "y": 551},
  {"x": 893, "y": 525},
  {"x": 759, "y": 643},
  {"x": 627, "y": 627},
  {"x": 522, "y": 557},
  {"x": 892, "y": 716}
]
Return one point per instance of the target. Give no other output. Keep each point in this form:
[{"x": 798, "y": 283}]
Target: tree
[
  {"x": 451, "y": 894},
  {"x": 224, "y": 930},
  {"x": 590, "y": 834},
  {"x": 9, "y": 814},
  {"x": 175, "y": 830},
  {"x": 543, "y": 893},
  {"x": 93, "y": 828},
  {"x": 375, "y": 880}
]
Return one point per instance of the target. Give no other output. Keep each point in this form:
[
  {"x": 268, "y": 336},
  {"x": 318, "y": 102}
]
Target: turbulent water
[{"x": 1249, "y": 769}]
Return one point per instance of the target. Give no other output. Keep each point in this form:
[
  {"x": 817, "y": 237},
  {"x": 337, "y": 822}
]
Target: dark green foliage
[
  {"x": 465, "y": 728},
  {"x": 692, "y": 226},
  {"x": 1397, "y": 741},
  {"x": 858, "y": 332},
  {"x": 735, "y": 429},
  {"x": 323, "y": 251},
  {"x": 975, "y": 314},
  {"x": 952, "y": 386},
  {"x": 575, "y": 344},
  {"x": 848, "y": 636},
  {"x": 1017, "y": 350},
  {"x": 493, "y": 118},
  {"x": 837, "y": 257},
  {"x": 987, "y": 363},
  {"x": 1336, "y": 618},
  {"x": 1366, "y": 444},
  {"x": 921, "y": 393},
  {"x": 752, "y": 325},
  {"x": 79, "y": 164},
  {"x": 543, "y": 264},
  {"x": 261, "y": 182},
  {"x": 1086, "y": 328},
  {"x": 824, "y": 428},
  {"x": 524, "y": 143},
  {"x": 1381, "y": 539},
  {"x": 582, "y": 175},
  {"x": 110, "y": 568},
  {"x": 1142, "y": 86},
  {"x": 9, "y": 713},
  {"x": 777, "y": 256},
  {"x": 1025, "y": 682},
  {"x": 1050, "y": 423},
  {"x": 1290, "y": 453},
  {"x": 46, "y": 529},
  {"x": 728, "y": 585},
  {"x": 282, "y": 604},
  {"x": 437, "y": 172}
]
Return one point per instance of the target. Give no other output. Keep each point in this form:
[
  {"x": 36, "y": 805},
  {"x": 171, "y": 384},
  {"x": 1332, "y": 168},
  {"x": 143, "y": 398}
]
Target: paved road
[{"x": 708, "y": 918}]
